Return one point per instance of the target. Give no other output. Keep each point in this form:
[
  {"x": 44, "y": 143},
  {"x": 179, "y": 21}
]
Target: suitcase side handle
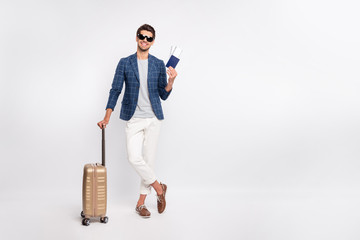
[{"x": 103, "y": 147}]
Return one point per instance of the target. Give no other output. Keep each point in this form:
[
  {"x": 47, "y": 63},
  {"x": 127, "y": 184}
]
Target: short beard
[{"x": 143, "y": 49}]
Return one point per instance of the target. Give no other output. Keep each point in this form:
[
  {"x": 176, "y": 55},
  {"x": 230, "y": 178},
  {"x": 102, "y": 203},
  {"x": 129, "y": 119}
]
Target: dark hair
[{"x": 146, "y": 27}]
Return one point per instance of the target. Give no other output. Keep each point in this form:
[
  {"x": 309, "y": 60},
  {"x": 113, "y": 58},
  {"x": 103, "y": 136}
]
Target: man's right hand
[
  {"x": 106, "y": 118},
  {"x": 103, "y": 123}
]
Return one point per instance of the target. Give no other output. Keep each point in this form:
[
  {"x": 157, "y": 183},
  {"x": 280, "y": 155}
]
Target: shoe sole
[{"x": 142, "y": 216}]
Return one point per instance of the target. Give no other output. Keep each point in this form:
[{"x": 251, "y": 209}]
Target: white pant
[{"x": 141, "y": 138}]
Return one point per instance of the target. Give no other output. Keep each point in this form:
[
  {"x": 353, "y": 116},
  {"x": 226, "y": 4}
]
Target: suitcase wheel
[
  {"x": 104, "y": 219},
  {"x": 82, "y": 214},
  {"x": 86, "y": 221}
]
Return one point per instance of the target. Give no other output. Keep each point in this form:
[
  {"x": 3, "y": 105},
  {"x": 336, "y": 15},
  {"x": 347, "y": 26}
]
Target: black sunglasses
[{"x": 142, "y": 37}]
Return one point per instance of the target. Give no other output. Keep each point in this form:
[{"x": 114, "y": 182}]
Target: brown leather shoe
[
  {"x": 161, "y": 203},
  {"x": 142, "y": 211}
]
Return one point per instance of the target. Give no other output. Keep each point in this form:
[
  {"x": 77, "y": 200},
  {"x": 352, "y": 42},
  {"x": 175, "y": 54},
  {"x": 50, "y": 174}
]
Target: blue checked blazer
[{"x": 127, "y": 71}]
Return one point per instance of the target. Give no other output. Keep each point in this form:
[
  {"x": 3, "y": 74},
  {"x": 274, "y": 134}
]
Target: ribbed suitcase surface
[{"x": 94, "y": 190}]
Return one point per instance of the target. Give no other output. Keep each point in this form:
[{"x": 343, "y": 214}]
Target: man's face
[{"x": 144, "y": 45}]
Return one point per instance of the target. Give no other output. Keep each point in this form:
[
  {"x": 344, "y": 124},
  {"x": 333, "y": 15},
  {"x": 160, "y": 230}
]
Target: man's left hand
[{"x": 172, "y": 75}]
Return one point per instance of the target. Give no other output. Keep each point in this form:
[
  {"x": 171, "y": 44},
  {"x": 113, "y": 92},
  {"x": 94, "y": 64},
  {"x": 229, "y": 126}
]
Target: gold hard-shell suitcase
[{"x": 94, "y": 192}]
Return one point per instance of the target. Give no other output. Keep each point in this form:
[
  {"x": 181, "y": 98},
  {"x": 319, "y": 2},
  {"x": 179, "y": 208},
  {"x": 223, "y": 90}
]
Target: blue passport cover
[{"x": 173, "y": 61}]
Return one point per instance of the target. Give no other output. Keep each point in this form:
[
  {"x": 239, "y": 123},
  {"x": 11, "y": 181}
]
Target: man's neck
[{"x": 142, "y": 55}]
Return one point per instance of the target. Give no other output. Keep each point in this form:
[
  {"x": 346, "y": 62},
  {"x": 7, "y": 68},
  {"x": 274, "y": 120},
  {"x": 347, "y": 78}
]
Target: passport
[{"x": 174, "y": 59}]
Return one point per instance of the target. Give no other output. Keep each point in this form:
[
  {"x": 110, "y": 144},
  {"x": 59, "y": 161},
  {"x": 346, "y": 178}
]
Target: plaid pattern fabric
[{"x": 127, "y": 71}]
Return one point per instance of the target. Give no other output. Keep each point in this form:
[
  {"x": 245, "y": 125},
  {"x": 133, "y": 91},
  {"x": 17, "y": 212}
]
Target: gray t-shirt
[{"x": 143, "y": 108}]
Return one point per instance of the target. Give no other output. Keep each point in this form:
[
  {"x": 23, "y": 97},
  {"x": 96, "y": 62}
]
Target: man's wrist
[{"x": 168, "y": 87}]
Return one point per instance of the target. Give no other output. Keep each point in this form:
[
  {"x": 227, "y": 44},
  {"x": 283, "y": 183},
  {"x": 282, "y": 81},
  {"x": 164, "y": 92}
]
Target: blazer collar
[{"x": 133, "y": 62}]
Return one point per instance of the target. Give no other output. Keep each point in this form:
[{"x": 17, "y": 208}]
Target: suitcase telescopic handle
[{"x": 103, "y": 146}]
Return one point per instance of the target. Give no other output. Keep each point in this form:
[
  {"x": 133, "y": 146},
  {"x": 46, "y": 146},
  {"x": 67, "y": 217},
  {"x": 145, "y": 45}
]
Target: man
[{"x": 145, "y": 83}]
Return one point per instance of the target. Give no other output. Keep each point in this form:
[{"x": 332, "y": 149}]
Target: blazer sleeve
[
  {"x": 162, "y": 83},
  {"x": 117, "y": 85}
]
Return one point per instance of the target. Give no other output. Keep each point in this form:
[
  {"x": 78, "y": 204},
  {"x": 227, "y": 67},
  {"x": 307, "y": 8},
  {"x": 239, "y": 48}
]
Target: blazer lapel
[
  {"x": 133, "y": 62},
  {"x": 151, "y": 66}
]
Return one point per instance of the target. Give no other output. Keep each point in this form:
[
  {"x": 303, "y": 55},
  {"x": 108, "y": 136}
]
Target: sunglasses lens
[{"x": 142, "y": 37}]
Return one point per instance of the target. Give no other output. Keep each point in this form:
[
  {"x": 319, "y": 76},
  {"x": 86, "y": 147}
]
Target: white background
[{"x": 261, "y": 132}]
